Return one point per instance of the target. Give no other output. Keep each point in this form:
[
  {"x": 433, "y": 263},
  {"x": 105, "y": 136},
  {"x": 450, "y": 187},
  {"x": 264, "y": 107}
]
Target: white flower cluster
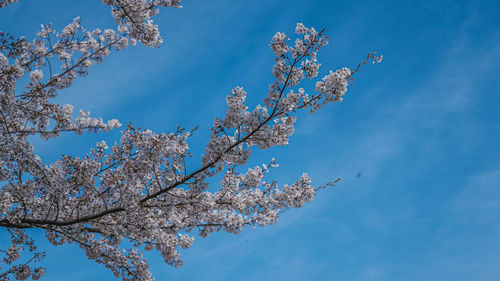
[
  {"x": 140, "y": 190},
  {"x": 333, "y": 86},
  {"x": 134, "y": 18},
  {"x": 85, "y": 122}
]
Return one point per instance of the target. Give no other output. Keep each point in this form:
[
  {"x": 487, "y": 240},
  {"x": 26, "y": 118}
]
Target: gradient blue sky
[{"x": 422, "y": 129}]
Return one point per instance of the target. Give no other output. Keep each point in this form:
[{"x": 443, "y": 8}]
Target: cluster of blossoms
[
  {"x": 134, "y": 18},
  {"x": 140, "y": 189}
]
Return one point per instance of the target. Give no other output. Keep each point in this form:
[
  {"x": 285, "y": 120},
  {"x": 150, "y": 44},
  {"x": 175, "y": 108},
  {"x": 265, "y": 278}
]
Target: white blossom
[{"x": 36, "y": 75}]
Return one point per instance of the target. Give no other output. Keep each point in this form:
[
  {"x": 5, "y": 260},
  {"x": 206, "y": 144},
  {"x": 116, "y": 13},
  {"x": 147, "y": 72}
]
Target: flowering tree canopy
[{"x": 140, "y": 190}]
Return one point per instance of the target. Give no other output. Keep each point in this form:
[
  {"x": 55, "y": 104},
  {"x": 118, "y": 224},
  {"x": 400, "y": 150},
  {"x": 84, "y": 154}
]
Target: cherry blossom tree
[{"x": 139, "y": 194}]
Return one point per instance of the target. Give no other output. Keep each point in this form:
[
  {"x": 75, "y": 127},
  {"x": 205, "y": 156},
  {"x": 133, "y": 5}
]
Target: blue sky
[{"x": 421, "y": 129}]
